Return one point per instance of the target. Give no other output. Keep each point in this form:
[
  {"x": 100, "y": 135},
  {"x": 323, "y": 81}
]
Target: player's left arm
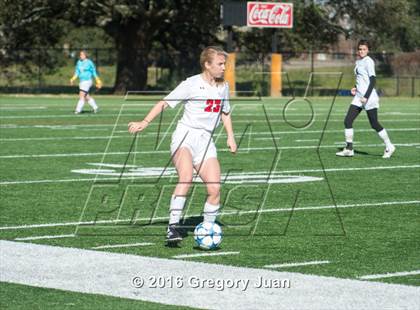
[
  {"x": 227, "y": 123},
  {"x": 372, "y": 80}
]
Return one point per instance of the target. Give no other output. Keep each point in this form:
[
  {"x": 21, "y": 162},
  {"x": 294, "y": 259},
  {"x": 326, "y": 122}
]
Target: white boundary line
[
  {"x": 110, "y": 274},
  {"x": 258, "y": 133},
  {"x": 150, "y": 134},
  {"x": 307, "y": 140},
  {"x": 390, "y": 275},
  {"x": 254, "y": 121},
  {"x": 167, "y": 151},
  {"x": 286, "y": 265},
  {"x": 127, "y": 245},
  {"x": 205, "y": 254},
  {"x": 308, "y": 208},
  {"x": 45, "y": 237},
  {"x": 71, "y": 115}
]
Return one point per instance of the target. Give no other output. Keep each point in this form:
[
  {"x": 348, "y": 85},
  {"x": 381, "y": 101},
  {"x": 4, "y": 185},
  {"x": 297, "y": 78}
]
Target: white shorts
[
  {"x": 85, "y": 86},
  {"x": 198, "y": 141},
  {"x": 372, "y": 103}
]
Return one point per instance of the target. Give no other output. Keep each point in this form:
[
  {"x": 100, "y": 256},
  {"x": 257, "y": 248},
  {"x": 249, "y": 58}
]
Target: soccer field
[{"x": 288, "y": 203}]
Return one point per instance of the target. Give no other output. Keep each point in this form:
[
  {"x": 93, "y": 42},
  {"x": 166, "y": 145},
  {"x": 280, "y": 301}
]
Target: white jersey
[
  {"x": 203, "y": 103},
  {"x": 364, "y": 69}
]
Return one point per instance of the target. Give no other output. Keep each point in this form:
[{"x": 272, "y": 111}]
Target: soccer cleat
[
  {"x": 388, "y": 152},
  {"x": 173, "y": 235},
  {"x": 95, "y": 110},
  {"x": 345, "y": 153},
  {"x": 76, "y": 112}
]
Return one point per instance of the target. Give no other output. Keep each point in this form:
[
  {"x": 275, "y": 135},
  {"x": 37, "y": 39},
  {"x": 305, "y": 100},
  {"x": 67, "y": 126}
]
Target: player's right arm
[
  {"x": 179, "y": 94},
  {"x": 134, "y": 127},
  {"x": 76, "y": 73}
]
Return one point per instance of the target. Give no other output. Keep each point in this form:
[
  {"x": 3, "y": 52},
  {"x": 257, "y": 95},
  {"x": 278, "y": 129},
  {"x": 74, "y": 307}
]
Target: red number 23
[{"x": 213, "y": 105}]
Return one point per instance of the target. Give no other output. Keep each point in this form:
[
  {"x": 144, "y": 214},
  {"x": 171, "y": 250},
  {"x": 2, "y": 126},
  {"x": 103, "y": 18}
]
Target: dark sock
[{"x": 349, "y": 145}]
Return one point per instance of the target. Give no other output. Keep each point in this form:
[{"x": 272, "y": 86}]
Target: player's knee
[
  {"x": 213, "y": 189},
  {"x": 185, "y": 181}
]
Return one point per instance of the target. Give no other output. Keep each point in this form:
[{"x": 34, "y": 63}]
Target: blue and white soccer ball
[{"x": 208, "y": 235}]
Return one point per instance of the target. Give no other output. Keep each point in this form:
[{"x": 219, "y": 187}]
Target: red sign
[{"x": 270, "y": 14}]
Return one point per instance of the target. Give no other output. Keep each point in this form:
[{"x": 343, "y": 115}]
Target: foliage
[
  {"x": 172, "y": 33},
  {"x": 24, "y": 30},
  {"x": 391, "y": 25},
  {"x": 312, "y": 29}
]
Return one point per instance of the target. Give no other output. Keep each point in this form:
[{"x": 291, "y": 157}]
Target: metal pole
[
  {"x": 274, "y": 41},
  {"x": 413, "y": 86},
  {"x": 230, "y": 39},
  {"x": 398, "y": 85},
  {"x": 39, "y": 68}
]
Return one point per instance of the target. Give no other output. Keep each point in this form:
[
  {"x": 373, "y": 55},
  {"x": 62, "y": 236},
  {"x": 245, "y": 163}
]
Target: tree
[
  {"x": 24, "y": 31},
  {"x": 391, "y": 25},
  {"x": 180, "y": 25},
  {"x": 182, "y": 28},
  {"x": 312, "y": 29},
  {"x": 135, "y": 26}
]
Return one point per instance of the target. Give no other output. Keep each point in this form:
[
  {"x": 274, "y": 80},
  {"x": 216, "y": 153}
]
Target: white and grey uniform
[
  {"x": 364, "y": 69},
  {"x": 202, "y": 112}
]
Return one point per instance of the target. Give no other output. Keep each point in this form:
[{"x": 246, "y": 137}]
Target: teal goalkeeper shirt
[{"x": 85, "y": 70}]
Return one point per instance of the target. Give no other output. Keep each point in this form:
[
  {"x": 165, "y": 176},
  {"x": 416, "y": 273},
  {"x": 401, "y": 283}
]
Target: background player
[
  {"x": 365, "y": 97},
  {"x": 206, "y": 98},
  {"x": 85, "y": 70}
]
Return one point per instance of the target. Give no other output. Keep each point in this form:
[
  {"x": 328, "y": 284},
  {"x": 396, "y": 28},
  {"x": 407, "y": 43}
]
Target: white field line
[
  {"x": 126, "y": 245},
  {"x": 45, "y": 237},
  {"x": 71, "y": 115},
  {"x": 223, "y": 176},
  {"x": 238, "y": 213},
  {"x": 241, "y": 150},
  {"x": 65, "y": 116},
  {"x": 307, "y": 140},
  {"x": 252, "y": 121},
  {"x": 286, "y": 265},
  {"x": 63, "y": 139},
  {"x": 21, "y": 108},
  {"x": 390, "y": 275},
  {"x": 148, "y": 134},
  {"x": 113, "y": 274},
  {"x": 108, "y": 127},
  {"x": 205, "y": 254}
]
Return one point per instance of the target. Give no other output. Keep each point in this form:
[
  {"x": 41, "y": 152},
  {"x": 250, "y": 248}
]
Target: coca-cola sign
[{"x": 270, "y": 14}]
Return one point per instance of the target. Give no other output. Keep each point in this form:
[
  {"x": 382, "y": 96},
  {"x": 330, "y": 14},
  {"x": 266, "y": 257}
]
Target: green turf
[
  {"x": 357, "y": 241},
  {"x": 15, "y": 296}
]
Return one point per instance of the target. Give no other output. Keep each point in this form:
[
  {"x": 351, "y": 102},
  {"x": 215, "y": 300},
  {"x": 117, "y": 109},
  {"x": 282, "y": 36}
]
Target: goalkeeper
[{"x": 85, "y": 70}]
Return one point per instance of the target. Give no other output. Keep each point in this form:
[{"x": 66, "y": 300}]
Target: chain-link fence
[{"x": 313, "y": 73}]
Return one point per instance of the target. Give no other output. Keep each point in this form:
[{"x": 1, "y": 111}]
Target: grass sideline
[{"x": 357, "y": 241}]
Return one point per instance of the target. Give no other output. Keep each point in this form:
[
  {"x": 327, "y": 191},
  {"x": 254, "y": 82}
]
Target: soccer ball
[{"x": 208, "y": 235}]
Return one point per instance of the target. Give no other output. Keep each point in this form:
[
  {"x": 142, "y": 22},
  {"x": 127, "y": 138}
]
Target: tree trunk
[{"x": 133, "y": 47}]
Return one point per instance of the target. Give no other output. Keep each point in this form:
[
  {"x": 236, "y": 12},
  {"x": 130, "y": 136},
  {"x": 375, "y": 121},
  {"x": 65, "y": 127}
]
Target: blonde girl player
[
  {"x": 365, "y": 97},
  {"x": 85, "y": 70},
  {"x": 206, "y": 98}
]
